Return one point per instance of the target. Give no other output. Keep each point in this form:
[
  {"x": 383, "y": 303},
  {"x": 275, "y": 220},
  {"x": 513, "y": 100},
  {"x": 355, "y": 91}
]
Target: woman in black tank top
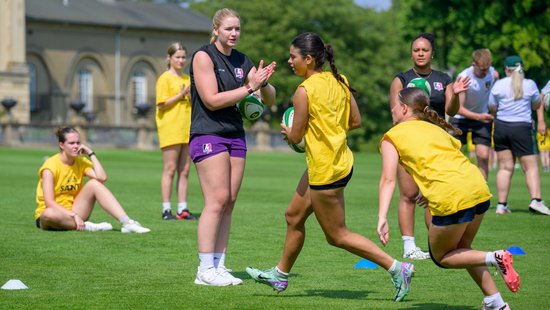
[{"x": 444, "y": 101}]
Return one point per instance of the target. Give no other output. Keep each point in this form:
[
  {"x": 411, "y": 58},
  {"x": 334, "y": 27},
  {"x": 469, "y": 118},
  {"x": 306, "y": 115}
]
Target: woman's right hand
[
  {"x": 79, "y": 222},
  {"x": 383, "y": 230}
]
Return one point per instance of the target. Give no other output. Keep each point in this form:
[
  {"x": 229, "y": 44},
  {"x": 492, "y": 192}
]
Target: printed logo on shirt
[
  {"x": 438, "y": 86},
  {"x": 221, "y": 70},
  {"x": 207, "y": 148},
  {"x": 488, "y": 84},
  {"x": 239, "y": 73}
]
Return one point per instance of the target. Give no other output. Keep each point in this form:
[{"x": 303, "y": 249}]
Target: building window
[
  {"x": 139, "y": 84},
  {"x": 86, "y": 89},
  {"x": 32, "y": 88}
]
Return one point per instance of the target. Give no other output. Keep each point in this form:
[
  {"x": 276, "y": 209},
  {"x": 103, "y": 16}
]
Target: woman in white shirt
[{"x": 512, "y": 99}]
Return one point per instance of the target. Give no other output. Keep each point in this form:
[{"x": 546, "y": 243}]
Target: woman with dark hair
[
  {"x": 319, "y": 100},
  {"x": 444, "y": 100},
  {"x": 458, "y": 195},
  {"x": 64, "y": 201}
]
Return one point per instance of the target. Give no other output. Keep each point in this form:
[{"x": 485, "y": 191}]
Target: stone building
[{"x": 102, "y": 56}]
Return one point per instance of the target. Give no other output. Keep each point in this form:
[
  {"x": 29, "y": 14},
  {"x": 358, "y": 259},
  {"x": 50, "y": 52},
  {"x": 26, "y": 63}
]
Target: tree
[{"x": 367, "y": 49}]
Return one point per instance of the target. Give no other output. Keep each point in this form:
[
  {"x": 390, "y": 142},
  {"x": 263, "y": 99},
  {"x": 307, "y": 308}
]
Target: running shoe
[
  {"x": 416, "y": 254},
  {"x": 505, "y": 307},
  {"x": 539, "y": 207},
  {"x": 269, "y": 277},
  {"x": 502, "y": 209},
  {"x": 134, "y": 227},
  {"x": 504, "y": 265},
  {"x": 402, "y": 280},
  {"x": 103, "y": 226},
  {"x": 226, "y": 273},
  {"x": 185, "y": 215},
  {"x": 167, "y": 215},
  {"x": 211, "y": 277}
]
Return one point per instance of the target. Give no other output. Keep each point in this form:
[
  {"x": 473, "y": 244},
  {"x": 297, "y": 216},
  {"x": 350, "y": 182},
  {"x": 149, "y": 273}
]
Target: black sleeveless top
[
  {"x": 438, "y": 82},
  {"x": 231, "y": 72}
]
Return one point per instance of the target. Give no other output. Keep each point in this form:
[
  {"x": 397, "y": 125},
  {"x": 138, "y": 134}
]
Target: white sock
[
  {"x": 219, "y": 260},
  {"x": 281, "y": 272},
  {"x": 166, "y": 206},
  {"x": 89, "y": 226},
  {"x": 393, "y": 267},
  {"x": 206, "y": 261},
  {"x": 124, "y": 219},
  {"x": 490, "y": 259},
  {"x": 408, "y": 244},
  {"x": 493, "y": 301},
  {"x": 182, "y": 206}
]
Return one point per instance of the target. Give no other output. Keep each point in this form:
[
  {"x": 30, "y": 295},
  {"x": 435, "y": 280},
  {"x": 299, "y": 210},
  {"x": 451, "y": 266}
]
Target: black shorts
[
  {"x": 462, "y": 216},
  {"x": 38, "y": 223},
  {"x": 340, "y": 183},
  {"x": 518, "y": 137},
  {"x": 481, "y": 132}
]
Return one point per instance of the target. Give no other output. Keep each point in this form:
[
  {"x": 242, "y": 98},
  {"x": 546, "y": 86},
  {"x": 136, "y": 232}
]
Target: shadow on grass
[
  {"x": 439, "y": 306},
  {"x": 336, "y": 294}
]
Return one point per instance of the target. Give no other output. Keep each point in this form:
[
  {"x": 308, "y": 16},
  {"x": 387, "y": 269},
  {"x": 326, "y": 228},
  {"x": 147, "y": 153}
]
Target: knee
[{"x": 336, "y": 239}]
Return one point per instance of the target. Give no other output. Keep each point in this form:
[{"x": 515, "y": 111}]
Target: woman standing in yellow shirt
[{"x": 173, "y": 120}]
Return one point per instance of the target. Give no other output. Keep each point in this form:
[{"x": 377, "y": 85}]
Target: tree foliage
[
  {"x": 507, "y": 27},
  {"x": 367, "y": 48}
]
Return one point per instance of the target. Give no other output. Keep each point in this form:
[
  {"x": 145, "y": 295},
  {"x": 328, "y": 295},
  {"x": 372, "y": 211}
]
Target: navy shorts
[
  {"x": 340, "y": 183},
  {"x": 518, "y": 137},
  {"x": 481, "y": 132},
  {"x": 462, "y": 216},
  {"x": 202, "y": 147}
]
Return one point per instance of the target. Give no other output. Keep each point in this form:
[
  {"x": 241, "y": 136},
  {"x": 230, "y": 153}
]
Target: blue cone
[
  {"x": 365, "y": 263},
  {"x": 516, "y": 250}
]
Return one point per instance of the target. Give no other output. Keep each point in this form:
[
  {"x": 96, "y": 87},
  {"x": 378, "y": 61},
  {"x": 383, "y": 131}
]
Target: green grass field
[{"x": 110, "y": 270}]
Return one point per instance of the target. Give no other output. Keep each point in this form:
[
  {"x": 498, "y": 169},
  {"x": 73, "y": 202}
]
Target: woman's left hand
[
  {"x": 461, "y": 84},
  {"x": 84, "y": 150},
  {"x": 383, "y": 231}
]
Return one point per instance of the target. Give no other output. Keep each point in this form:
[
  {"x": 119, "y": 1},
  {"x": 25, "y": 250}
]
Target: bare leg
[
  {"x": 296, "y": 215},
  {"x": 482, "y": 153},
  {"x": 328, "y": 206},
  {"x": 504, "y": 174},
  {"x": 408, "y": 193},
  {"x": 530, "y": 167},
  {"x": 183, "y": 173},
  {"x": 170, "y": 155}
]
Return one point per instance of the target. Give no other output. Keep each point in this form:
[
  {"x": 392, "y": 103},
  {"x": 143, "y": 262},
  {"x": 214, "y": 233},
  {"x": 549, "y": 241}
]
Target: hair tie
[
  {"x": 518, "y": 68},
  {"x": 427, "y": 109}
]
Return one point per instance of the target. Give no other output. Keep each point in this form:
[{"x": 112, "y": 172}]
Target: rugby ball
[
  {"x": 546, "y": 101},
  {"x": 288, "y": 118},
  {"x": 421, "y": 83},
  {"x": 250, "y": 107}
]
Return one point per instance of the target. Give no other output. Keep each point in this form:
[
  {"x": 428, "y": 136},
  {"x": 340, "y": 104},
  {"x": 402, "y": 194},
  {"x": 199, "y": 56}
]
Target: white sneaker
[
  {"x": 134, "y": 227},
  {"x": 539, "y": 207},
  {"x": 505, "y": 307},
  {"x": 502, "y": 209},
  {"x": 416, "y": 254},
  {"x": 211, "y": 277},
  {"x": 226, "y": 273},
  {"x": 103, "y": 226}
]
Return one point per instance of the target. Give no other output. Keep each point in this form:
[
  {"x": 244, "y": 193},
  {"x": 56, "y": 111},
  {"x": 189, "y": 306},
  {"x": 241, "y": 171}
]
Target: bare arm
[
  {"x": 184, "y": 92},
  {"x": 49, "y": 199},
  {"x": 97, "y": 172},
  {"x": 541, "y": 124},
  {"x": 390, "y": 160},
  {"x": 355, "y": 115},
  {"x": 299, "y": 123},
  {"x": 395, "y": 87},
  {"x": 482, "y": 117}
]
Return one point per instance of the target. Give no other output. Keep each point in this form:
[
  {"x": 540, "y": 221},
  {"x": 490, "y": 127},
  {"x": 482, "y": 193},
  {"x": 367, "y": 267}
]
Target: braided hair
[
  {"x": 418, "y": 101},
  {"x": 309, "y": 43}
]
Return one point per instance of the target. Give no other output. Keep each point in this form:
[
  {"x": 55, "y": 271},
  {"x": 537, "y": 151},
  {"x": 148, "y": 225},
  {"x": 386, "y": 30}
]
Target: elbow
[{"x": 451, "y": 111}]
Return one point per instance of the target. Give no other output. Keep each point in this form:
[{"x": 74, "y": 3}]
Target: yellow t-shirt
[
  {"x": 68, "y": 181},
  {"x": 448, "y": 180},
  {"x": 328, "y": 156},
  {"x": 544, "y": 141},
  {"x": 174, "y": 122}
]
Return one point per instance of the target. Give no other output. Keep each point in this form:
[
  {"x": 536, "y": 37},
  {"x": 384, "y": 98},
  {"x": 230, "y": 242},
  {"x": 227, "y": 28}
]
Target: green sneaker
[
  {"x": 269, "y": 277},
  {"x": 402, "y": 281}
]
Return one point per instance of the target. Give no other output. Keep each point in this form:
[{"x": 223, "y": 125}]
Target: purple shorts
[{"x": 203, "y": 146}]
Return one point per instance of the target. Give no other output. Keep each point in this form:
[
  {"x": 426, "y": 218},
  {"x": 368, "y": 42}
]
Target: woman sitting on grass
[
  {"x": 64, "y": 202},
  {"x": 455, "y": 191}
]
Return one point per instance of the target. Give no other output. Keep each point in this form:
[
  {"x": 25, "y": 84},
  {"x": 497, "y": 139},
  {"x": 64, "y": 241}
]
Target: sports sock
[
  {"x": 490, "y": 259},
  {"x": 281, "y": 272},
  {"x": 219, "y": 260},
  {"x": 166, "y": 206},
  {"x": 493, "y": 301},
  {"x": 206, "y": 261},
  {"x": 408, "y": 244},
  {"x": 503, "y": 203},
  {"x": 182, "y": 206},
  {"x": 124, "y": 219},
  {"x": 393, "y": 269}
]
